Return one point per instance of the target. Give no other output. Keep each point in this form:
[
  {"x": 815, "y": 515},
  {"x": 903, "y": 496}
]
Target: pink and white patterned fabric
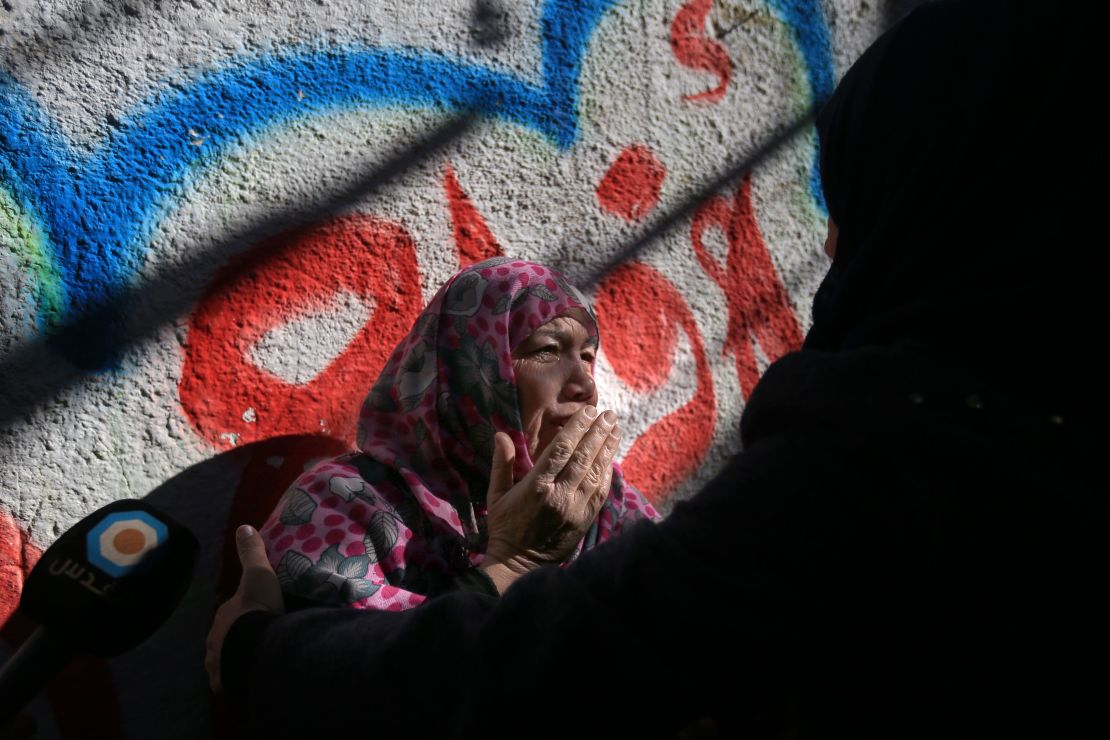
[{"x": 395, "y": 522}]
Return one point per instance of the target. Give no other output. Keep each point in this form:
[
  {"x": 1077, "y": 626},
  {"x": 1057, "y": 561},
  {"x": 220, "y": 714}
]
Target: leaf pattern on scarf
[
  {"x": 481, "y": 436},
  {"x": 426, "y": 327},
  {"x": 346, "y": 575},
  {"x": 330, "y": 559},
  {"x": 418, "y": 372},
  {"x": 346, "y": 488},
  {"x": 293, "y": 567},
  {"x": 413, "y": 361},
  {"x": 533, "y": 291},
  {"x": 464, "y": 297},
  {"x": 461, "y": 323},
  {"x": 520, "y": 299},
  {"x": 357, "y": 589},
  {"x": 450, "y": 422},
  {"x": 381, "y": 536},
  {"x": 576, "y": 295},
  {"x": 541, "y": 292},
  {"x": 298, "y": 508},
  {"x": 493, "y": 262},
  {"x": 355, "y": 566},
  {"x": 312, "y": 584},
  {"x": 381, "y": 399},
  {"x": 333, "y": 579},
  {"x": 479, "y": 377},
  {"x": 408, "y": 403}
]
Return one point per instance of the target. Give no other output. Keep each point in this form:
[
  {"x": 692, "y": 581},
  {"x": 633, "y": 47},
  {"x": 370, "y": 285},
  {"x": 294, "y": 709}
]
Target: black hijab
[{"x": 962, "y": 159}]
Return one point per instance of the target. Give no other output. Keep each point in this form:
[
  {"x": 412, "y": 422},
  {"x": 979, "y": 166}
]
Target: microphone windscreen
[{"x": 112, "y": 579}]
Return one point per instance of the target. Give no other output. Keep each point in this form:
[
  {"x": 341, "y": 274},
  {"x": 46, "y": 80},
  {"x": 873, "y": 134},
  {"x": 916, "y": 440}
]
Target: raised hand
[
  {"x": 541, "y": 519},
  {"x": 258, "y": 589}
]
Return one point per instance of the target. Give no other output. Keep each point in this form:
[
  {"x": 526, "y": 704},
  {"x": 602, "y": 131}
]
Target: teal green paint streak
[{"x": 21, "y": 234}]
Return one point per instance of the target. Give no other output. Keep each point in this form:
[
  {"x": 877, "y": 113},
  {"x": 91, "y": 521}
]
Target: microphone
[{"x": 103, "y": 587}]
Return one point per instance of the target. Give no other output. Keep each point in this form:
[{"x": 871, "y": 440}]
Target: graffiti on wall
[
  {"x": 694, "y": 49},
  {"x": 683, "y": 329},
  {"x": 99, "y": 210},
  {"x": 87, "y": 218},
  {"x": 225, "y": 393},
  {"x": 759, "y": 312}
]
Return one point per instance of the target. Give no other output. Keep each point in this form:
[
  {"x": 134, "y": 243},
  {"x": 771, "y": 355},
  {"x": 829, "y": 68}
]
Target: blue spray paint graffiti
[
  {"x": 99, "y": 211},
  {"x": 807, "y": 20}
]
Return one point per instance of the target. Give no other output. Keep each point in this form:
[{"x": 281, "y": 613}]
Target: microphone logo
[{"x": 120, "y": 543}]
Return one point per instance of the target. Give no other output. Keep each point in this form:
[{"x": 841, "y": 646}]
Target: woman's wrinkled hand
[
  {"x": 258, "y": 589},
  {"x": 540, "y": 520}
]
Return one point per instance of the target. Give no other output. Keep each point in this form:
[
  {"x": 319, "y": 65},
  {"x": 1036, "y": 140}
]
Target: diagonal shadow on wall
[{"x": 36, "y": 369}]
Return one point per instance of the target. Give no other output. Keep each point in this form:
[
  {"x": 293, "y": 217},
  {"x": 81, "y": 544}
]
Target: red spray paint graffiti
[
  {"x": 82, "y": 694},
  {"x": 474, "y": 241},
  {"x": 758, "y": 305},
  {"x": 693, "y": 49},
  {"x": 224, "y": 393},
  {"x": 17, "y": 557},
  {"x": 640, "y": 313},
  {"x": 631, "y": 187}
]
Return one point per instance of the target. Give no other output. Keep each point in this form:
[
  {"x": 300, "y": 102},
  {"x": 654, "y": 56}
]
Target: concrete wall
[{"x": 203, "y": 264}]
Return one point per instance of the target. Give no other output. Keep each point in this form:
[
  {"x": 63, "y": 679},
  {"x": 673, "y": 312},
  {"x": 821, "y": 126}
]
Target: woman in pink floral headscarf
[{"x": 495, "y": 380}]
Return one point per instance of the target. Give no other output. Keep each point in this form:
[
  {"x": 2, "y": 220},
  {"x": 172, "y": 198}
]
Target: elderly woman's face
[{"x": 554, "y": 370}]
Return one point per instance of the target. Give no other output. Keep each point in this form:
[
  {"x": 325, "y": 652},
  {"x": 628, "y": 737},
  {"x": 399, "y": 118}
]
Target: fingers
[
  {"x": 501, "y": 468},
  {"x": 258, "y": 589},
  {"x": 212, "y": 667},
  {"x": 601, "y": 493},
  {"x": 556, "y": 455},
  {"x": 595, "y": 487},
  {"x": 602, "y": 468},
  {"x": 589, "y": 447},
  {"x": 213, "y": 644},
  {"x": 259, "y": 584},
  {"x": 252, "y": 553}
]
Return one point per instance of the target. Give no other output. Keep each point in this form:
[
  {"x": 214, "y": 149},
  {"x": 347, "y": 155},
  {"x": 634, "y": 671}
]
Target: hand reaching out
[
  {"x": 540, "y": 520},
  {"x": 258, "y": 589}
]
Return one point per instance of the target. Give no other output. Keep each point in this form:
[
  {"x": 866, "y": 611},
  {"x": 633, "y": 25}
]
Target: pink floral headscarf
[{"x": 395, "y": 522}]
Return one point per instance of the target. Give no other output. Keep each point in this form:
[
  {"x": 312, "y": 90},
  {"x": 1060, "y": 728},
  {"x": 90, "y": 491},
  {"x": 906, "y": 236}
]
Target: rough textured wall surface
[{"x": 214, "y": 226}]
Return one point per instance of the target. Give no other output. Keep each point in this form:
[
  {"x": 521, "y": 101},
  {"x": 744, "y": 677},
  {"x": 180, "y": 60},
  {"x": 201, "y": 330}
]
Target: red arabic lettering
[
  {"x": 474, "y": 241},
  {"x": 630, "y": 188},
  {"x": 758, "y": 306},
  {"x": 640, "y": 313},
  {"x": 693, "y": 49},
  {"x": 280, "y": 280}
]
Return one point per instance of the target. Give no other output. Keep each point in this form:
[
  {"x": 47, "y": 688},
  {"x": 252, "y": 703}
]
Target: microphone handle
[{"x": 30, "y": 669}]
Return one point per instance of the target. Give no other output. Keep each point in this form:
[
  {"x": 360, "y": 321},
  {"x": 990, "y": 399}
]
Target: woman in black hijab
[
  {"x": 914, "y": 542},
  {"x": 963, "y": 162}
]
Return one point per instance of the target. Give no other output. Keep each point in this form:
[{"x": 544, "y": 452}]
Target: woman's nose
[{"x": 580, "y": 385}]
